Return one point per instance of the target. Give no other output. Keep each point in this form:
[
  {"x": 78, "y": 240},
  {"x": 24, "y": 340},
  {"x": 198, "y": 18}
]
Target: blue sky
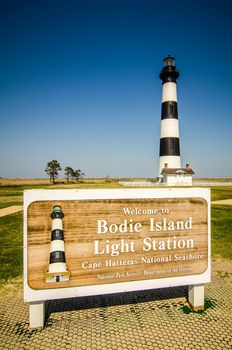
[{"x": 79, "y": 82}]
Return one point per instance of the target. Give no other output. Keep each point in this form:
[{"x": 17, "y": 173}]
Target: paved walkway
[
  {"x": 11, "y": 210},
  {"x": 148, "y": 320},
  {"x": 223, "y": 202}
]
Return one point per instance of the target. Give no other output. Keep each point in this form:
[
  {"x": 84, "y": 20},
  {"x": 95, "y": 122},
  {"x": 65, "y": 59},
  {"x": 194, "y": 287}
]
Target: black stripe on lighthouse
[
  {"x": 169, "y": 110},
  {"x": 57, "y": 234},
  {"x": 169, "y": 76},
  {"x": 57, "y": 257},
  {"x": 169, "y": 146}
]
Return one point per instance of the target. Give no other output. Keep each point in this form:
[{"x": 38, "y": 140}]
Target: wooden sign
[{"x": 102, "y": 241}]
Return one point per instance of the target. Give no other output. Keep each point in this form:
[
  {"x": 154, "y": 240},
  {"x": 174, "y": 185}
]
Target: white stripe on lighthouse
[
  {"x": 169, "y": 92},
  {"x": 55, "y": 267},
  {"x": 57, "y": 224},
  {"x": 57, "y": 245},
  {"x": 172, "y": 161},
  {"x": 169, "y": 128}
]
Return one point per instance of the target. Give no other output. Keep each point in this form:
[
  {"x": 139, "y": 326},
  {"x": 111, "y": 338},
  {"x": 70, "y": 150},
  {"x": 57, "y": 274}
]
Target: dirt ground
[
  {"x": 223, "y": 202},
  {"x": 10, "y": 210},
  {"x": 222, "y": 266}
]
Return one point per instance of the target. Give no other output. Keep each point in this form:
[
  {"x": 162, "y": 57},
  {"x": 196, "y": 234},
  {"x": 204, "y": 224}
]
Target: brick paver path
[{"x": 149, "y": 320}]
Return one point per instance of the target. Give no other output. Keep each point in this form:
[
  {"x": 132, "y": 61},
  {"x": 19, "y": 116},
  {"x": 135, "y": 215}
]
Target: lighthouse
[
  {"x": 57, "y": 271},
  {"x": 169, "y": 153},
  {"x": 170, "y": 171}
]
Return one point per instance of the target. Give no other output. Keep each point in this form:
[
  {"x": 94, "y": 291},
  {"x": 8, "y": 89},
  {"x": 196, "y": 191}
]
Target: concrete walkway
[
  {"x": 148, "y": 320},
  {"x": 10, "y": 210}
]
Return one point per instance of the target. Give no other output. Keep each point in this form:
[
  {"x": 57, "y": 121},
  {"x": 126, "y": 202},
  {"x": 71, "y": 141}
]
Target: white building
[{"x": 177, "y": 176}]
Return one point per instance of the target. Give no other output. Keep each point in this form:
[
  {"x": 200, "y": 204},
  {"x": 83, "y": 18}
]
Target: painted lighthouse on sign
[{"x": 170, "y": 171}]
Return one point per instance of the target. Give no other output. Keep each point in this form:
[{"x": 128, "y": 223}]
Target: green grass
[
  {"x": 9, "y": 204},
  {"x": 10, "y": 196},
  {"x": 221, "y": 220},
  {"x": 13, "y": 195},
  {"x": 67, "y": 186},
  {"x": 11, "y": 246},
  {"x": 221, "y": 192}
]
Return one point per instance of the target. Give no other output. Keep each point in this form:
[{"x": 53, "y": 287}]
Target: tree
[
  {"x": 52, "y": 169},
  {"x": 68, "y": 172},
  {"x": 78, "y": 174}
]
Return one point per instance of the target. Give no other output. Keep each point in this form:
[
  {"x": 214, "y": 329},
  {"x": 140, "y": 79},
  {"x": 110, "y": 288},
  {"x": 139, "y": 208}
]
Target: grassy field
[
  {"x": 221, "y": 221},
  {"x": 221, "y": 192},
  {"x": 13, "y": 195},
  {"x": 10, "y": 196},
  {"x": 11, "y": 227},
  {"x": 11, "y": 243}
]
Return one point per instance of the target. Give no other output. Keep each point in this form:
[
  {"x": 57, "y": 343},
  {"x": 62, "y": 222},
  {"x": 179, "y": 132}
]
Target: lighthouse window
[{"x": 169, "y": 61}]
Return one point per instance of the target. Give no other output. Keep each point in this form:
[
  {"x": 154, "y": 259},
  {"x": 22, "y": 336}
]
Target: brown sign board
[{"x": 120, "y": 239}]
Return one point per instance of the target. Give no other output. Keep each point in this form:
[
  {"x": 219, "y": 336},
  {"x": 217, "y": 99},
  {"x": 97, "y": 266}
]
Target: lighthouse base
[
  {"x": 170, "y": 161},
  {"x": 57, "y": 277},
  {"x": 177, "y": 180}
]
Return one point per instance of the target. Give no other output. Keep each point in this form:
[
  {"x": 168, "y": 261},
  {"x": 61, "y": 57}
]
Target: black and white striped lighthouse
[
  {"x": 57, "y": 271},
  {"x": 169, "y": 131}
]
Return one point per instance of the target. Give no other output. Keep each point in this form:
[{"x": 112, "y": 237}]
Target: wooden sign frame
[{"x": 140, "y": 239}]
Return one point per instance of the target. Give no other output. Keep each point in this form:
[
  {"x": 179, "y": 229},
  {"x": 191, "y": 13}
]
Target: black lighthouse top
[{"x": 169, "y": 72}]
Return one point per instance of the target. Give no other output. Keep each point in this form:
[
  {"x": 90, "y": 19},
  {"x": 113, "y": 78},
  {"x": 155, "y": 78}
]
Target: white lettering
[
  {"x": 126, "y": 226},
  {"x": 114, "y": 249},
  {"x": 101, "y": 226},
  {"x": 170, "y": 243},
  {"x": 136, "y": 211},
  {"x": 165, "y": 225},
  {"x": 87, "y": 265}
]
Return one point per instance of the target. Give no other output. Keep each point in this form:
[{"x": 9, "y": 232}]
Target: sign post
[{"x": 88, "y": 242}]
